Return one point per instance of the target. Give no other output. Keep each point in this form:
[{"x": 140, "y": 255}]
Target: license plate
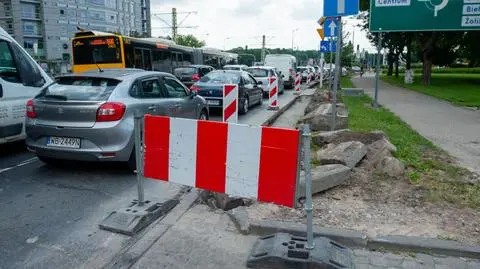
[
  {"x": 63, "y": 142},
  {"x": 213, "y": 102}
]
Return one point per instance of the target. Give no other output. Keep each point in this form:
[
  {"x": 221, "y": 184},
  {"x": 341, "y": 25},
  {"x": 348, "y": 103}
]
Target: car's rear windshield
[
  {"x": 182, "y": 71},
  {"x": 257, "y": 72},
  {"x": 221, "y": 77},
  {"x": 301, "y": 69},
  {"x": 231, "y": 68},
  {"x": 80, "y": 89}
]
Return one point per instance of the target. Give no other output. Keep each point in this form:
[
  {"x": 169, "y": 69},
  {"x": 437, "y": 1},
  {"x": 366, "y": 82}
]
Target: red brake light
[
  {"x": 31, "y": 110},
  {"x": 195, "y": 88},
  {"x": 111, "y": 111},
  {"x": 195, "y": 77}
]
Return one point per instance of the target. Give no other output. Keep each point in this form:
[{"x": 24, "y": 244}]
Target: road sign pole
[
  {"x": 322, "y": 62},
  {"x": 331, "y": 60},
  {"x": 138, "y": 125},
  {"x": 377, "y": 68},
  {"x": 338, "y": 73},
  {"x": 306, "y": 135}
]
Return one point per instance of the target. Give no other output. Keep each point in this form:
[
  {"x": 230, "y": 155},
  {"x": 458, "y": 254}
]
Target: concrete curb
[
  {"x": 277, "y": 114},
  {"x": 356, "y": 239}
]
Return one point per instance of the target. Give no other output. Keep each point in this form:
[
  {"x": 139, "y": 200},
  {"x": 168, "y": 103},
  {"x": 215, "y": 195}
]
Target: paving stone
[
  {"x": 473, "y": 265},
  {"x": 412, "y": 264},
  {"x": 361, "y": 259},
  {"x": 324, "y": 177},
  {"x": 450, "y": 262},
  {"x": 361, "y": 253},
  {"x": 425, "y": 259},
  {"x": 362, "y": 266}
]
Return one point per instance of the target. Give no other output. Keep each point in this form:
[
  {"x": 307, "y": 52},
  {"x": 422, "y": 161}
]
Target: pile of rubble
[
  {"x": 342, "y": 150},
  {"x": 339, "y": 151}
]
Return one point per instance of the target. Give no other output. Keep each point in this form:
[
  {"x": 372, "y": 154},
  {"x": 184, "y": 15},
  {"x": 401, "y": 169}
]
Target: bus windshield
[{"x": 100, "y": 50}]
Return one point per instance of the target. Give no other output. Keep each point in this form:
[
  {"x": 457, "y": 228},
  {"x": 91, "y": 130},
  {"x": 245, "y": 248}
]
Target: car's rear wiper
[{"x": 56, "y": 97}]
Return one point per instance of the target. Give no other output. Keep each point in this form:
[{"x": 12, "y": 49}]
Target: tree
[
  {"x": 348, "y": 55},
  {"x": 469, "y": 48},
  {"x": 189, "y": 41},
  {"x": 433, "y": 47},
  {"x": 436, "y": 48}
]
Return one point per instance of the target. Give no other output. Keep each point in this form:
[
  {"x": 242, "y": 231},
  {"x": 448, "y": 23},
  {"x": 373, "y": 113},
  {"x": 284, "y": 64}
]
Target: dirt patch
[{"x": 377, "y": 205}]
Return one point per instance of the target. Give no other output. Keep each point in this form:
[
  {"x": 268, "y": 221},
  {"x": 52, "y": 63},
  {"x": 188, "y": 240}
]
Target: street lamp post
[
  {"x": 225, "y": 42},
  {"x": 293, "y": 36}
]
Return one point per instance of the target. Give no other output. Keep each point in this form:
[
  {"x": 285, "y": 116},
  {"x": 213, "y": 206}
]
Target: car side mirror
[
  {"x": 193, "y": 94},
  {"x": 259, "y": 83}
]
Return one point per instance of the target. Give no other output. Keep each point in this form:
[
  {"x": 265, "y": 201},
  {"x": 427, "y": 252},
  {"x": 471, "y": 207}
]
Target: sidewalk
[
  {"x": 455, "y": 129},
  {"x": 203, "y": 239}
]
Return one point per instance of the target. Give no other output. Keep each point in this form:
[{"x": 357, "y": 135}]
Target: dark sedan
[
  {"x": 190, "y": 74},
  {"x": 211, "y": 88}
]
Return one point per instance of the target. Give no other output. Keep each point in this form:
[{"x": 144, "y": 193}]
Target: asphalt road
[{"x": 50, "y": 214}]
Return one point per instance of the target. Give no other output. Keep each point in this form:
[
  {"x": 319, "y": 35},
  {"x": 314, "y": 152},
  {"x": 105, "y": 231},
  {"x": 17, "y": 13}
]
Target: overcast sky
[{"x": 234, "y": 23}]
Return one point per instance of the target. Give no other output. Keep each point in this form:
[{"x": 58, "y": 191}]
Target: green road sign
[{"x": 424, "y": 15}]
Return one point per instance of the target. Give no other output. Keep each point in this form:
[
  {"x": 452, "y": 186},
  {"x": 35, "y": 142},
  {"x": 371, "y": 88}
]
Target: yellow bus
[{"x": 92, "y": 50}]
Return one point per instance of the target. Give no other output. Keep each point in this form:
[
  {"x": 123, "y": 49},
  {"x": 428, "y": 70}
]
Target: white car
[
  {"x": 237, "y": 67},
  {"x": 21, "y": 78},
  {"x": 285, "y": 64}
]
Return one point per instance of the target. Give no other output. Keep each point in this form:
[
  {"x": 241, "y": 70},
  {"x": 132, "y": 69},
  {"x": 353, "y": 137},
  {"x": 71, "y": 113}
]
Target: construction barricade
[{"x": 257, "y": 162}]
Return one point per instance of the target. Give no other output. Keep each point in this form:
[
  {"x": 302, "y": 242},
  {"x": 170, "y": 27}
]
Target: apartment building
[{"x": 45, "y": 27}]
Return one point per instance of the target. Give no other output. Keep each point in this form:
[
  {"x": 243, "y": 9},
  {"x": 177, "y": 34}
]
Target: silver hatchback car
[{"x": 89, "y": 116}]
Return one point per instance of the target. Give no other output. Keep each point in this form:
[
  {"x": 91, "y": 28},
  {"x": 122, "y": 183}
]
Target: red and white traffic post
[
  {"x": 309, "y": 78},
  {"x": 230, "y": 103},
  {"x": 273, "y": 93},
  {"x": 298, "y": 80}
]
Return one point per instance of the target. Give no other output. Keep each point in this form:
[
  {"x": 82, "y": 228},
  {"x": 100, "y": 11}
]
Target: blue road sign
[
  {"x": 335, "y": 8},
  {"x": 330, "y": 26},
  {"x": 325, "y": 46}
]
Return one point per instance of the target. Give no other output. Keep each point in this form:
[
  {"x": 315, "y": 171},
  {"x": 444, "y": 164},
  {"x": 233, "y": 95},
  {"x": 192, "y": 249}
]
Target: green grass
[
  {"x": 459, "y": 89},
  {"x": 425, "y": 167},
  {"x": 462, "y": 70},
  {"x": 346, "y": 82}
]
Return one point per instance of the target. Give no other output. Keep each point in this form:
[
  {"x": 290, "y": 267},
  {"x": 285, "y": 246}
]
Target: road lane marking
[{"x": 31, "y": 160}]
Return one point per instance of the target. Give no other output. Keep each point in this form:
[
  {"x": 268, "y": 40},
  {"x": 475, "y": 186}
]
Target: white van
[
  {"x": 286, "y": 64},
  {"x": 21, "y": 78}
]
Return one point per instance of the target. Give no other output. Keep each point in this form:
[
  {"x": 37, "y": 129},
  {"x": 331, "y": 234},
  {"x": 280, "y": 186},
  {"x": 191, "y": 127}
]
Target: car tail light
[
  {"x": 110, "y": 111},
  {"x": 31, "y": 110},
  {"x": 195, "y": 88},
  {"x": 195, "y": 77}
]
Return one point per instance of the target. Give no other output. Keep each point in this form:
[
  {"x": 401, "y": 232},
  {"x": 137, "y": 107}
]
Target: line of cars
[{"x": 89, "y": 116}]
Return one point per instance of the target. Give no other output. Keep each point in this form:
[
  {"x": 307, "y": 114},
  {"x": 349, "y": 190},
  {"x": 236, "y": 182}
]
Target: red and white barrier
[
  {"x": 230, "y": 103},
  {"x": 298, "y": 81},
  {"x": 239, "y": 160},
  {"x": 273, "y": 93},
  {"x": 309, "y": 78}
]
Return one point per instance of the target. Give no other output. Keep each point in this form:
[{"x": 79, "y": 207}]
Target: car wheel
[
  {"x": 132, "y": 161},
  {"x": 48, "y": 161},
  {"x": 203, "y": 115},
  {"x": 245, "y": 106}
]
